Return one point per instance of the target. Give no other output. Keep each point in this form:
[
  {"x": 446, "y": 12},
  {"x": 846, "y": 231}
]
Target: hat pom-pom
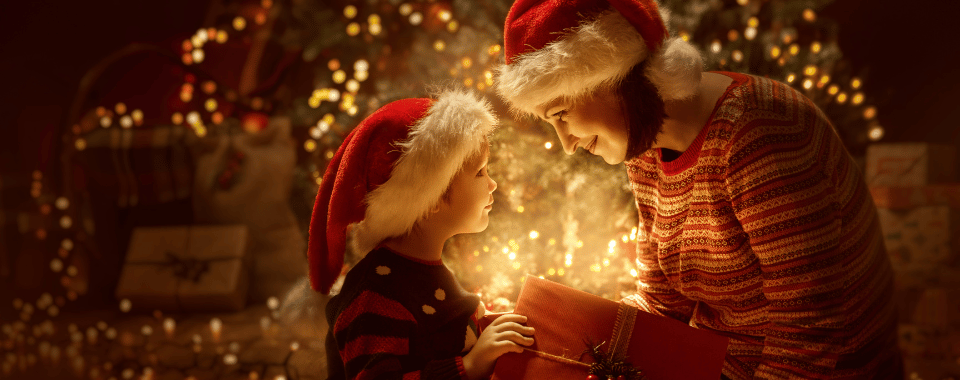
[{"x": 676, "y": 70}]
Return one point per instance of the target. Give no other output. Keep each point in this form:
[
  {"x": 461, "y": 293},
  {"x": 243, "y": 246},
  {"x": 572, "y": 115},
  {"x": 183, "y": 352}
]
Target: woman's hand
[{"x": 505, "y": 334}]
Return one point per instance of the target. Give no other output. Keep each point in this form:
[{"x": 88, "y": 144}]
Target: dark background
[{"x": 909, "y": 50}]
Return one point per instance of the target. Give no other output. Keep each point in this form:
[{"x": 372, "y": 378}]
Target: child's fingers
[
  {"x": 506, "y": 318},
  {"x": 515, "y": 337}
]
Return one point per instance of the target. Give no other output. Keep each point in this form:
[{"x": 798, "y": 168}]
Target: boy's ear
[{"x": 436, "y": 207}]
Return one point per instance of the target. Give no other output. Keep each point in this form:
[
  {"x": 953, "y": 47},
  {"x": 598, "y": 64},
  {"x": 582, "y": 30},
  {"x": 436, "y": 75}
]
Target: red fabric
[
  {"x": 663, "y": 348},
  {"x": 532, "y": 24},
  {"x": 362, "y": 163},
  {"x": 373, "y": 303}
]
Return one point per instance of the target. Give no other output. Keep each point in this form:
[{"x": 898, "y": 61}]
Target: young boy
[{"x": 409, "y": 177}]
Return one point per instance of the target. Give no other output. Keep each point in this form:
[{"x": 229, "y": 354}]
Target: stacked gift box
[
  {"x": 195, "y": 268},
  {"x": 917, "y": 193}
]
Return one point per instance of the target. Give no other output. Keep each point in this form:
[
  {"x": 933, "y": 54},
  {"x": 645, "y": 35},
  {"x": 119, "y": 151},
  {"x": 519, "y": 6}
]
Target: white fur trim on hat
[
  {"x": 599, "y": 52},
  {"x": 452, "y": 131}
]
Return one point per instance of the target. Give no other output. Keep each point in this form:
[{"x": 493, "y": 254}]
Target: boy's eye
[{"x": 482, "y": 171}]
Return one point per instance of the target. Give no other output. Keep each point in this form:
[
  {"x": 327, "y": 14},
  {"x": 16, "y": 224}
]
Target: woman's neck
[{"x": 687, "y": 117}]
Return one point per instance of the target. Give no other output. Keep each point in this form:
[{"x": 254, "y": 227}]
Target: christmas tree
[{"x": 567, "y": 218}]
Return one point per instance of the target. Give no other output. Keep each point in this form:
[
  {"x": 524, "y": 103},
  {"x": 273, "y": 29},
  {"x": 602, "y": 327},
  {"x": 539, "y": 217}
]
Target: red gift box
[{"x": 567, "y": 320}]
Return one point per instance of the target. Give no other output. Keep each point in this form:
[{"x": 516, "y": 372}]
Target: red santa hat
[
  {"x": 567, "y": 48},
  {"x": 390, "y": 171}
]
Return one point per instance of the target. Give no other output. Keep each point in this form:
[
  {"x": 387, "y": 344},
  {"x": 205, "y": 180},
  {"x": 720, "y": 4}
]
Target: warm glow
[
  {"x": 416, "y": 18},
  {"x": 239, "y": 23},
  {"x": 350, "y": 11}
]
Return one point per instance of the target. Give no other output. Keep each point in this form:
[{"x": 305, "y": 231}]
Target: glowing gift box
[{"x": 567, "y": 321}]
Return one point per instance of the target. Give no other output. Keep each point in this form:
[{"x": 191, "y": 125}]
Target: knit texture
[
  {"x": 399, "y": 318},
  {"x": 763, "y": 231}
]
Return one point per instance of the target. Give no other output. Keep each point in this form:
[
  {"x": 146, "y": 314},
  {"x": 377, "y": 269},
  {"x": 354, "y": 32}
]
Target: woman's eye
[{"x": 560, "y": 115}]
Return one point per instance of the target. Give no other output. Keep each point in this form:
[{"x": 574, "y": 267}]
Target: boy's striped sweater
[
  {"x": 397, "y": 317},
  {"x": 763, "y": 230}
]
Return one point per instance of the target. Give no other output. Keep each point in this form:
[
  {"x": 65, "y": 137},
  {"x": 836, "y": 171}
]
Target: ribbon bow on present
[
  {"x": 187, "y": 268},
  {"x": 610, "y": 365}
]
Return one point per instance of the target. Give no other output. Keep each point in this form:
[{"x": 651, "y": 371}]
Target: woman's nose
[{"x": 569, "y": 143}]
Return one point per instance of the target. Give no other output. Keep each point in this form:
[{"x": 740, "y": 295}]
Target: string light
[{"x": 350, "y": 11}]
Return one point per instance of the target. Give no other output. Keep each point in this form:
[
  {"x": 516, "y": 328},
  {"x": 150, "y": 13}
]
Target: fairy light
[
  {"x": 809, "y": 15},
  {"x": 534, "y": 234},
  {"x": 375, "y": 29},
  {"x": 815, "y": 47},
  {"x": 737, "y": 55},
  {"x": 222, "y": 36},
  {"x": 774, "y": 52},
  {"x": 176, "y": 118},
  {"x": 361, "y": 75},
  {"x": 350, "y": 11},
  {"x": 791, "y": 77},
  {"x": 352, "y": 85},
  {"x": 137, "y": 116},
  {"x": 876, "y": 132},
  {"x": 807, "y": 83},
  {"x": 857, "y": 98},
  {"x": 339, "y": 76},
  {"x": 870, "y": 112},
  {"x": 548, "y": 145},
  {"x": 715, "y": 46},
  {"x": 333, "y": 64},
  {"x": 310, "y": 145},
  {"x": 733, "y": 35},
  {"x": 416, "y": 18},
  {"x": 353, "y": 29},
  {"x": 750, "y": 33},
  {"x": 810, "y": 70},
  {"x": 855, "y": 83},
  {"x": 466, "y": 62},
  {"x": 405, "y": 9},
  {"x": 334, "y": 95},
  {"x": 210, "y": 105},
  {"x": 198, "y": 55},
  {"x": 833, "y": 89},
  {"x": 842, "y": 97},
  {"x": 439, "y": 45},
  {"x": 444, "y": 15},
  {"x": 452, "y": 26}
]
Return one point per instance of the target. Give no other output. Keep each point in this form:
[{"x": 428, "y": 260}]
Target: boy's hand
[{"x": 505, "y": 334}]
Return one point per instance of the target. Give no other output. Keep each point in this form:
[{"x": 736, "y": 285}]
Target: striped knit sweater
[
  {"x": 763, "y": 231},
  {"x": 397, "y": 317}
]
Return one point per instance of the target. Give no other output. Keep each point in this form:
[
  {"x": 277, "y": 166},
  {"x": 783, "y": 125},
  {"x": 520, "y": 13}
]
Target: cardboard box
[
  {"x": 907, "y": 197},
  {"x": 910, "y": 164},
  {"x": 568, "y": 320},
  {"x": 187, "y": 268},
  {"x": 920, "y": 238}
]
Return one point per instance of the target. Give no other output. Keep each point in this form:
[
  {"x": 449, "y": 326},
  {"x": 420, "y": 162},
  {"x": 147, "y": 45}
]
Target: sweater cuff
[{"x": 446, "y": 369}]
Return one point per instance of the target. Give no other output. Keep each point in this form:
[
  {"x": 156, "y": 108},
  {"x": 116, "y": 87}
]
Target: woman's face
[{"x": 594, "y": 123}]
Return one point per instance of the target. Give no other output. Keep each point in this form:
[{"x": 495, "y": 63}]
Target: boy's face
[{"x": 470, "y": 197}]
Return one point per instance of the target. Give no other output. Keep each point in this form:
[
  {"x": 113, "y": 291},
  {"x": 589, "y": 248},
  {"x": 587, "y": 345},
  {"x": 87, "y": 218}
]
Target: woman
[{"x": 755, "y": 222}]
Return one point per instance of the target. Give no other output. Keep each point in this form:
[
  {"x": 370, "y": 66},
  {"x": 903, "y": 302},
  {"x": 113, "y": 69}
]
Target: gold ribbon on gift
[{"x": 619, "y": 338}]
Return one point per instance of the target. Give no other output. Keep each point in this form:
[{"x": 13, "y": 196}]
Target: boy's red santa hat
[
  {"x": 568, "y": 48},
  {"x": 390, "y": 171}
]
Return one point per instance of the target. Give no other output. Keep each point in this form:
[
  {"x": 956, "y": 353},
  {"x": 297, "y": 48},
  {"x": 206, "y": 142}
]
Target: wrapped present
[
  {"x": 907, "y": 197},
  {"x": 920, "y": 238},
  {"x": 909, "y": 164},
  {"x": 579, "y": 334},
  {"x": 186, "y": 268}
]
